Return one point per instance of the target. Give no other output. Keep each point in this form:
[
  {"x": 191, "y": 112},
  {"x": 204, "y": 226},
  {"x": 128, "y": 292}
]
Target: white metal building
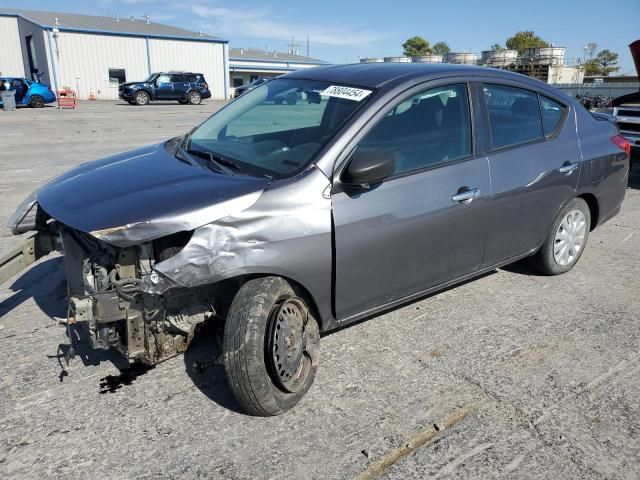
[
  {"x": 94, "y": 54},
  {"x": 246, "y": 65}
]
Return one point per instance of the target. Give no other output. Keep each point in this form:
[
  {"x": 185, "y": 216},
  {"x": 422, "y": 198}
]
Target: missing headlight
[{"x": 166, "y": 247}]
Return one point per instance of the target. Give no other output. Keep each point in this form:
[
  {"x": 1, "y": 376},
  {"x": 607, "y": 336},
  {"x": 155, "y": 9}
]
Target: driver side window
[
  {"x": 163, "y": 79},
  {"x": 428, "y": 129}
]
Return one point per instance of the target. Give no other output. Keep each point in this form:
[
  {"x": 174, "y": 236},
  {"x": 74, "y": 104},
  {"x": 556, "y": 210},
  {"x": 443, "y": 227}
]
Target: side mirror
[{"x": 368, "y": 167}]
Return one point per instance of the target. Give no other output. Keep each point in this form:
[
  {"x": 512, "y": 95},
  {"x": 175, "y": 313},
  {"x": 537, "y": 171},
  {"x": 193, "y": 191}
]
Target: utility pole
[{"x": 293, "y": 45}]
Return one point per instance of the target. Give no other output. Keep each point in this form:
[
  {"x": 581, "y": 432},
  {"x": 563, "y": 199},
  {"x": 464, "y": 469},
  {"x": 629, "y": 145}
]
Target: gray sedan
[{"x": 386, "y": 182}]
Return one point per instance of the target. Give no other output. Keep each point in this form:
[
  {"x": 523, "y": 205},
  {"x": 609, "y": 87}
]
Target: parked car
[
  {"x": 28, "y": 92},
  {"x": 248, "y": 87},
  {"x": 394, "y": 181},
  {"x": 626, "y": 108},
  {"x": 185, "y": 87}
]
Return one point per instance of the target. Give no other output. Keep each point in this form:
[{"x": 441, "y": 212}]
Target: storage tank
[
  {"x": 397, "y": 59},
  {"x": 499, "y": 58},
  {"x": 546, "y": 55},
  {"x": 431, "y": 58},
  {"x": 461, "y": 57},
  {"x": 372, "y": 60}
]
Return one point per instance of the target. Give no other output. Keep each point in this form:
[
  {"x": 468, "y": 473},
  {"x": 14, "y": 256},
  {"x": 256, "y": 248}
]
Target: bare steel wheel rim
[
  {"x": 287, "y": 348},
  {"x": 194, "y": 97},
  {"x": 569, "y": 238},
  {"x": 141, "y": 98}
]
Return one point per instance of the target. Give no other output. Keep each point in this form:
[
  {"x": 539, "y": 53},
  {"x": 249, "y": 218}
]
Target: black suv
[{"x": 184, "y": 87}]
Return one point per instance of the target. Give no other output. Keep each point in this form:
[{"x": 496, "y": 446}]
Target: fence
[{"x": 605, "y": 89}]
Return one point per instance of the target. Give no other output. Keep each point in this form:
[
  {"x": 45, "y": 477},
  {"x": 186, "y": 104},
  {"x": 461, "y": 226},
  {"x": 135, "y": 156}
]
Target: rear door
[
  {"x": 180, "y": 86},
  {"x": 426, "y": 224},
  {"x": 535, "y": 163}
]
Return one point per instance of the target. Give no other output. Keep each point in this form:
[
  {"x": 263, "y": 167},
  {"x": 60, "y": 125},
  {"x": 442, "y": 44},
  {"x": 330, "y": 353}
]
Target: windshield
[
  {"x": 277, "y": 128},
  {"x": 151, "y": 78}
]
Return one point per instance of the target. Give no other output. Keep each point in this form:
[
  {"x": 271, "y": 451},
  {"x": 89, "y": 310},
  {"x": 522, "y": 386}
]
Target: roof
[
  {"x": 377, "y": 75},
  {"x": 106, "y": 25},
  {"x": 275, "y": 57}
]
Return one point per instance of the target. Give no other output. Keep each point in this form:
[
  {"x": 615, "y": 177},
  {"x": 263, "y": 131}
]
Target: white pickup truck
[{"x": 626, "y": 108}]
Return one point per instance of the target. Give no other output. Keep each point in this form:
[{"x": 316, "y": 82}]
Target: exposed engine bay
[{"x": 103, "y": 283}]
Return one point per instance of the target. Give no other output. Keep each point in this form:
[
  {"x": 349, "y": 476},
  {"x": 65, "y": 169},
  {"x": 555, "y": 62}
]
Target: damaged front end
[{"x": 104, "y": 291}]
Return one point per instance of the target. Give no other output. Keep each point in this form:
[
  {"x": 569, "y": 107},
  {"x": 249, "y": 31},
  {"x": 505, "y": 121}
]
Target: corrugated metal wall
[
  {"x": 11, "y": 64},
  {"x": 85, "y": 59},
  {"x": 200, "y": 57}
]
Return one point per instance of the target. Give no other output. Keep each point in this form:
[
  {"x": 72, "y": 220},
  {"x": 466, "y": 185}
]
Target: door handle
[
  {"x": 466, "y": 196},
  {"x": 568, "y": 168}
]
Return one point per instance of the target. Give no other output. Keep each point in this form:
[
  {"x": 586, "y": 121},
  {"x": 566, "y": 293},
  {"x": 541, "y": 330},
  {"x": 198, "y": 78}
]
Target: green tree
[
  {"x": 441, "y": 48},
  {"x": 523, "y": 40},
  {"x": 607, "y": 61},
  {"x": 591, "y": 68},
  {"x": 604, "y": 63},
  {"x": 496, "y": 46},
  {"x": 416, "y": 46}
]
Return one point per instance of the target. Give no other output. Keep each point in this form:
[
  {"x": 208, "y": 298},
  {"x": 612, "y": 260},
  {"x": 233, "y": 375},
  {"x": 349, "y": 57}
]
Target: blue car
[{"x": 30, "y": 93}]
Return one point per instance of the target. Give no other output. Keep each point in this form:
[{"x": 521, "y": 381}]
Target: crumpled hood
[{"x": 144, "y": 194}]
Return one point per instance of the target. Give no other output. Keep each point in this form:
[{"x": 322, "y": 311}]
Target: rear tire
[
  {"x": 194, "y": 98},
  {"x": 292, "y": 98},
  {"x": 568, "y": 237},
  {"x": 36, "y": 101},
  {"x": 271, "y": 347}
]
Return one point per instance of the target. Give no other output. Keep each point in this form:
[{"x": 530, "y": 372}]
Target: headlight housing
[{"x": 24, "y": 218}]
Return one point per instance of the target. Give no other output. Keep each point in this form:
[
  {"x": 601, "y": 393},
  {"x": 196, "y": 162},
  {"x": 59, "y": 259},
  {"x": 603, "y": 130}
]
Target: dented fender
[{"x": 286, "y": 232}]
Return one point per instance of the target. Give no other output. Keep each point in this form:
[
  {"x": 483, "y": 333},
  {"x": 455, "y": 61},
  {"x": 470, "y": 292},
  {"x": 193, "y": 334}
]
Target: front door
[
  {"x": 535, "y": 164},
  {"x": 425, "y": 225},
  {"x": 163, "y": 88}
]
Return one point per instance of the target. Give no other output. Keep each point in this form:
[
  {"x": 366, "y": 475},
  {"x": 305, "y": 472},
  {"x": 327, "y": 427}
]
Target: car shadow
[
  {"x": 46, "y": 283},
  {"x": 204, "y": 364}
]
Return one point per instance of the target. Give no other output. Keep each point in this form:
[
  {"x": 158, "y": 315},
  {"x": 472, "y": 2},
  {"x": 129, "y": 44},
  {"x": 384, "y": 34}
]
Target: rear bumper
[{"x": 206, "y": 94}]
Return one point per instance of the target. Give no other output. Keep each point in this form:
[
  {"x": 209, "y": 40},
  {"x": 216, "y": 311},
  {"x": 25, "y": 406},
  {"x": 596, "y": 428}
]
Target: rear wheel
[
  {"x": 564, "y": 246},
  {"x": 142, "y": 98},
  {"x": 36, "y": 101},
  {"x": 292, "y": 98},
  {"x": 194, "y": 98},
  {"x": 271, "y": 347}
]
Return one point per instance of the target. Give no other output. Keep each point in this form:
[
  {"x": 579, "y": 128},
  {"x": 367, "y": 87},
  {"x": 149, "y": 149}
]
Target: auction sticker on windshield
[{"x": 349, "y": 93}]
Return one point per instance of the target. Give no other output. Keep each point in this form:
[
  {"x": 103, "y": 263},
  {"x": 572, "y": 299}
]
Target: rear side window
[
  {"x": 194, "y": 78},
  {"x": 552, "y": 113},
  {"x": 428, "y": 129},
  {"x": 175, "y": 78},
  {"x": 514, "y": 115}
]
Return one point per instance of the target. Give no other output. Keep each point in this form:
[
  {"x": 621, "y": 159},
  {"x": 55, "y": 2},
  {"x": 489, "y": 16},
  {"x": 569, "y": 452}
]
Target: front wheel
[
  {"x": 142, "y": 98},
  {"x": 566, "y": 241},
  {"x": 271, "y": 347}
]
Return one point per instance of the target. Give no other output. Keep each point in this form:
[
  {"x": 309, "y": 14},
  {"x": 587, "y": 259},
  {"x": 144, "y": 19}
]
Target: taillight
[
  {"x": 622, "y": 143},
  {"x": 206, "y": 86}
]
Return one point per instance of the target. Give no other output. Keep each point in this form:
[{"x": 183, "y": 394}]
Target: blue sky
[{"x": 342, "y": 31}]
